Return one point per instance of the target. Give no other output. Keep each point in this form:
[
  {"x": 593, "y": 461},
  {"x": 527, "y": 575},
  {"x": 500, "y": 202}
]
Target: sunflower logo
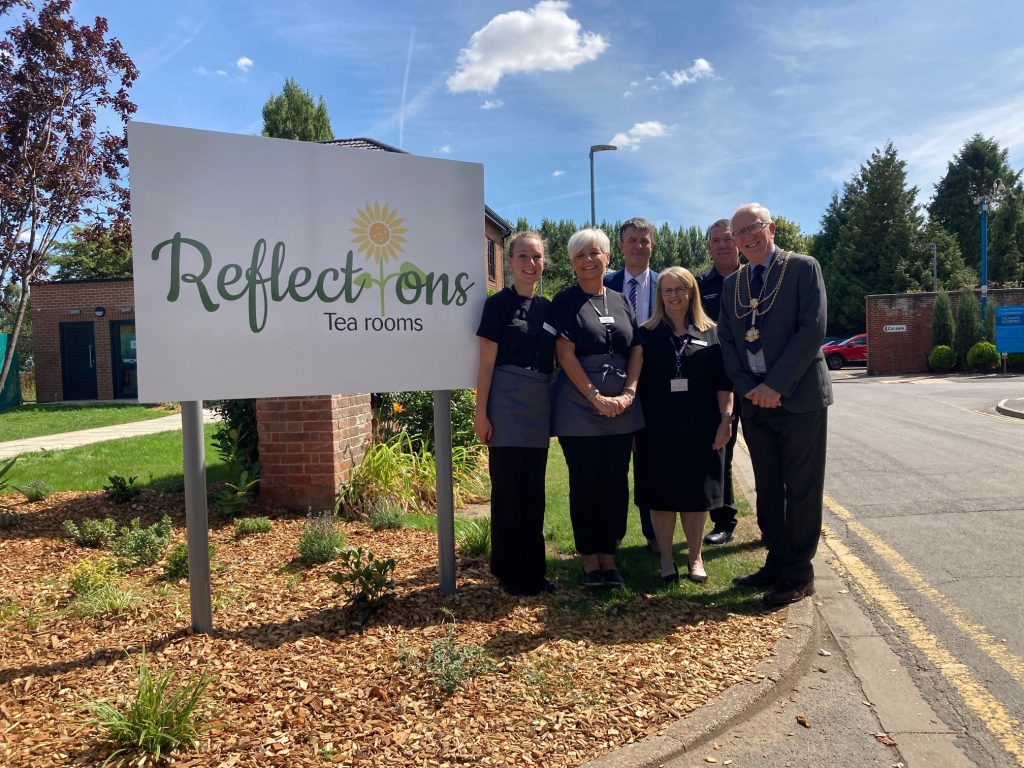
[{"x": 379, "y": 232}]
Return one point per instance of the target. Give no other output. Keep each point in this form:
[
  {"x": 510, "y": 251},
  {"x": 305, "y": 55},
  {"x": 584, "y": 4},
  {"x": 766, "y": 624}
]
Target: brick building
[{"x": 899, "y": 327}]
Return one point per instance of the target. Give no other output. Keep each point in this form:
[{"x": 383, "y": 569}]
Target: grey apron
[
  {"x": 519, "y": 408},
  {"x": 573, "y": 415}
]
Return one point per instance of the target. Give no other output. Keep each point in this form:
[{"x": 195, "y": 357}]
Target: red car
[{"x": 853, "y": 350}]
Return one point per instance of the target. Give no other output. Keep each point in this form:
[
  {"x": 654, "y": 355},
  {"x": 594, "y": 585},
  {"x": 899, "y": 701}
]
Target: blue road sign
[{"x": 1009, "y": 329}]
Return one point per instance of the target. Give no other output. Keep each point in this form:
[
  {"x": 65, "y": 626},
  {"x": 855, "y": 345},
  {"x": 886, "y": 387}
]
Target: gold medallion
[
  {"x": 752, "y": 335},
  {"x": 753, "y": 303}
]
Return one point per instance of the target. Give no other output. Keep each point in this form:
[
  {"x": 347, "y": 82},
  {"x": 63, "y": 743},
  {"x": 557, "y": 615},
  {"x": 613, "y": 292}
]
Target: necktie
[
  {"x": 632, "y": 293},
  {"x": 752, "y": 341}
]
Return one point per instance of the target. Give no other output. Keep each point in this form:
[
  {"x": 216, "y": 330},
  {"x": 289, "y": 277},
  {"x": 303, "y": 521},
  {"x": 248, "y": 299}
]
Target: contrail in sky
[{"x": 405, "y": 85}]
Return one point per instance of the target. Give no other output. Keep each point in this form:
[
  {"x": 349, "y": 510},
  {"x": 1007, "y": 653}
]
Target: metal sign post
[
  {"x": 445, "y": 493},
  {"x": 196, "y": 520}
]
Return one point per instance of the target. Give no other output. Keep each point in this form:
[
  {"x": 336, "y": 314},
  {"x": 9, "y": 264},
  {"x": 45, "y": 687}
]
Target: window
[{"x": 492, "y": 272}]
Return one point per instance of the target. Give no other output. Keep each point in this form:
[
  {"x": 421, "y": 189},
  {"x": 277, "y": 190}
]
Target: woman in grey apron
[
  {"x": 593, "y": 410},
  {"x": 513, "y": 412}
]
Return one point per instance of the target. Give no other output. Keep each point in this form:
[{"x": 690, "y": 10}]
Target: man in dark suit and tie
[
  {"x": 637, "y": 283},
  {"x": 771, "y": 326}
]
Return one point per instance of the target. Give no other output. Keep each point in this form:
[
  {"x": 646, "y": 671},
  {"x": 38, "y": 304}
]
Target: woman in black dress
[
  {"x": 593, "y": 410},
  {"x": 687, "y": 405},
  {"x": 513, "y": 413}
]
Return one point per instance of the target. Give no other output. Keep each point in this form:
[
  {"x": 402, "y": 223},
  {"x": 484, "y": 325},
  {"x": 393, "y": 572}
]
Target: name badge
[
  {"x": 698, "y": 343},
  {"x": 606, "y": 319},
  {"x": 679, "y": 385},
  {"x": 550, "y": 329}
]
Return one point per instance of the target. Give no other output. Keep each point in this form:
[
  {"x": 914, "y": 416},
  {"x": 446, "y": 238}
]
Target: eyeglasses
[
  {"x": 753, "y": 229},
  {"x": 674, "y": 291}
]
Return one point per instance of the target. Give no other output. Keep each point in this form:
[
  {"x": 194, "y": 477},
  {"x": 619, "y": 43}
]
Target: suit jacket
[
  {"x": 616, "y": 281},
  {"x": 791, "y": 335}
]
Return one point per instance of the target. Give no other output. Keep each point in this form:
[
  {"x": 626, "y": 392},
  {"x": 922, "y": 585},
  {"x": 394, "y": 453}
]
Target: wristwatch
[{"x": 594, "y": 392}]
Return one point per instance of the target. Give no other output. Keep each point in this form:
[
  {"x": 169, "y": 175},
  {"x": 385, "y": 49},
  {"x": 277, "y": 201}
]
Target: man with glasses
[
  {"x": 725, "y": 259},
  {"x": 771, "y": 326},
  {"x": 637, "y": 283}
]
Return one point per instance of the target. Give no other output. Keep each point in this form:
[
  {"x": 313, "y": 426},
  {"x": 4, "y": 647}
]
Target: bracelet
[
  {"x": 726, "y": 414},
  {"x": 594, "y": 392}
]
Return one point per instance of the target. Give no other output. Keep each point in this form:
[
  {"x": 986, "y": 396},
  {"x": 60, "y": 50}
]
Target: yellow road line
[
  {"x": 996, "y": 719},
  {"x": 988, "y": 644}
]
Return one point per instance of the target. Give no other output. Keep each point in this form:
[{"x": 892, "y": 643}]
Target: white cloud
[
  {"x": 496, "y": 104},
  {"x": 558, "y": 173},
  {"x": 701, "y": 68},
  {"x": 444, "y": 149},
  {"x": 543, "y": 39},
  {"x": 244, "y": 63},
  {"x": 638, "y": 134},
  {"x": 221, "y": 73}
]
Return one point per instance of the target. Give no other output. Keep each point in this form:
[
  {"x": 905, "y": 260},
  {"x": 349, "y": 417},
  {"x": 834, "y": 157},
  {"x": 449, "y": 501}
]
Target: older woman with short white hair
[{"x": 593, "y": 411}]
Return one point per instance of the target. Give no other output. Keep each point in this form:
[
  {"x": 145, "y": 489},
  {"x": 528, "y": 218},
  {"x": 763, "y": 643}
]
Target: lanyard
[
  {"x": 679, "y": 349},
  {"x": 607, "y": 326}
]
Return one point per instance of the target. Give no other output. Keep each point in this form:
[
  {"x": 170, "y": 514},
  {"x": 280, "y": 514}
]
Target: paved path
[{"x": 98, "y": 435}]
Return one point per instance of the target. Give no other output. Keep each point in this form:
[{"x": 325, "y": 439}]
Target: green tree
[
  {"x": 952, "y": 273},
  {"x": 942, "y": 321},
  {"x": 871, "y": 231},
  {"x": 788, "y": 235},
  {"x": 93, "y": 253},
  {"x": 969, "y": 174},
  {"x": 293, "y": 114},
  {"x": 968, "y": 330},
  {"x": 990, "y": 321}
]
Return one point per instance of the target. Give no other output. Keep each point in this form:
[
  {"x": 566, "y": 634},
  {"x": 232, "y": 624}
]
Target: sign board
[
  {"x": 1009, "y": 329},
  {"x": 895, "y": 328},
  {"x": 266, "y": 268}
]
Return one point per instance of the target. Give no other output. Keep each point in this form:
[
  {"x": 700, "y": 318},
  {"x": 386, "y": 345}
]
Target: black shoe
[
  {"x": 786, "y": 593},
  {"x": 593, "y": 579},
  {"x": 718, "y": 536},
  {"x": 548, "y": 587},
  {"x": 671, "y": 578},
  {"x": 613, "y": 578},
  {"x": 761, "y": 578}
]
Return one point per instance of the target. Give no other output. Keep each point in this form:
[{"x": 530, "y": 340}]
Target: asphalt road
[{"x": 925, "y": 487}]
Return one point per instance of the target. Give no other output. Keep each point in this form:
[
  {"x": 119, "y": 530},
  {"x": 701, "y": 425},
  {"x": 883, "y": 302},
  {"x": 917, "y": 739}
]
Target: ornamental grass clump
[
  {"x": 97, "y": 590},
  {"x": 475, "y": 538},
  {"x": 161, "y": 718},
  {"x": 322, "y": 540},
  {"x": 37, "y": 490},
  {"x": 384, "y": 513}
]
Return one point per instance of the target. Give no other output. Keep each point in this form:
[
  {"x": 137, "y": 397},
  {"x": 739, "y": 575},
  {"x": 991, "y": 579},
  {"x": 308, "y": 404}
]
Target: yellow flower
[
  {"x": 397, "y": 407},
  {"x": 378, "y": 232}
]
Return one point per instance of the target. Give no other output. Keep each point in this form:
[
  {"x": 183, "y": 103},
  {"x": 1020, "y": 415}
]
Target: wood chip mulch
[{"x": 294, "y": 682}]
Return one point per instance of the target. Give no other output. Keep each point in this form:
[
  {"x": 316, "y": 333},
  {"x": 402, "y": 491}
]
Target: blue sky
[{"x": 712, "y": 104}]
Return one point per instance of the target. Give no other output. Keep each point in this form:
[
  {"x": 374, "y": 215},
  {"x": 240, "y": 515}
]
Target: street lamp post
[
  {"x": 991, "y": 197},
  {"x": 593, "y": 149}
]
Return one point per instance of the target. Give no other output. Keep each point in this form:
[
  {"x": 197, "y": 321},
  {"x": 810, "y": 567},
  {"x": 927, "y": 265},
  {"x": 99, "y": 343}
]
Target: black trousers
[
  {"x": 517, "y": 516},
  {"x": 724, "y": 517},
  {"x": 598, "y": 490},
  {"x": 788, "y": 454}
]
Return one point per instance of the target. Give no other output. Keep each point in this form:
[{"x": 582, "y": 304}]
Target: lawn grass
[
  {"x": 156, "y": 460},
  {"x": 639, "y": 568},
  {"x": 38, "y": 420}
]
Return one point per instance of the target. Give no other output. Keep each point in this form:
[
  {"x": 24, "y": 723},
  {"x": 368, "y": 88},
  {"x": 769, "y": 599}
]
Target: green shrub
[
  {"x": 321, "y": 540},
  {"x": 384, "y": 513},
  {"x": 37, "y": 490},
  {"x": 942, "y": 321},
  {"x": 121, "y": 489},
  {"x": 367, "y": 583},
  {"x": 93, "y": 532},
  {"x": 968, "y": 331},
  {"x": 161, "y": 719},
  {"x": 942, "y": 359},
  {"x": 89, "y": 575},
  {"x": 983, "y": 357},
  {"x": 138, "y": 547},
  {"x": 8, "y": 519},
  {"x": 234, "y": 497},
  {"x": 1015, "y": 361},
  {"x": 449, "y": 663},
  {"x": 176, "y": 567},
  {"x": 413, "y": 413},
  {"x": 106, "y": 600},
  {"x": 247, "y": 526},
  {"x": 238, "y": 417},
  {"x": 476, "y": 537}
]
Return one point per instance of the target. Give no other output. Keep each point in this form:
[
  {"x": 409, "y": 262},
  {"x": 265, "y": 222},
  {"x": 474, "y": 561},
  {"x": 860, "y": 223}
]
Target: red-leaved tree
[{"x": 58, "y": 164}]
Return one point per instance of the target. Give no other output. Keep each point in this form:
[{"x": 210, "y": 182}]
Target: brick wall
[
  {"x": 52, "y": 304},
  {"x": 493, "y": 233},
  {"x": 891, "y": 353},
  {"x": 309, "y": 445}
]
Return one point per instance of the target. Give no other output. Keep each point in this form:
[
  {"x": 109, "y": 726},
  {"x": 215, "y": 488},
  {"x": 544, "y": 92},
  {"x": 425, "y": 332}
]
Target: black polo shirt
[{"x": 710, "y": 284}]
